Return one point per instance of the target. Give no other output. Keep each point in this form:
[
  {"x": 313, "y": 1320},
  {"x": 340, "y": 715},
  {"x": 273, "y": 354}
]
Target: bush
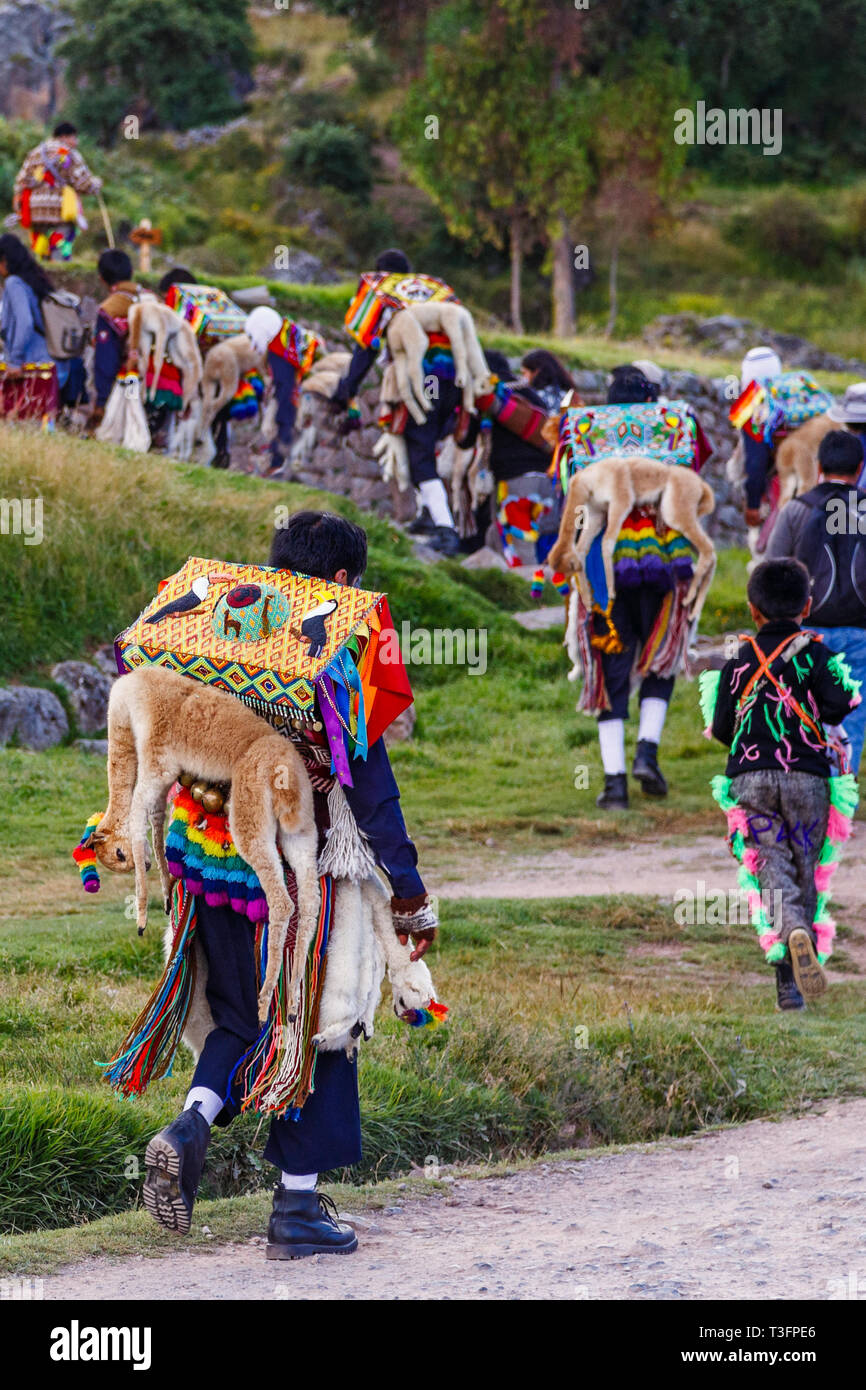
[
  {"x": 333, "y": 156},
  {"x": 787, "y": 232}
]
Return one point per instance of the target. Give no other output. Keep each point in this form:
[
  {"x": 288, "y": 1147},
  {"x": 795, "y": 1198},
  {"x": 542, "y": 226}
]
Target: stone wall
[{"x": 344, "y": 464}]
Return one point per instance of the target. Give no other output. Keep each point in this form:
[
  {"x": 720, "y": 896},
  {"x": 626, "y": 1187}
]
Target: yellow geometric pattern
[{"x": 279, "y": 666}]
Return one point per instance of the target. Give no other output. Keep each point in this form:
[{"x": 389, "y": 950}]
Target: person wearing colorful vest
[
  {"x": 760, "y": 365},
  {"x": 774, "y": 705},
  {"x": 46, "y": 193},
  {"x": 825, "y": 529},
  {"x": 421, "y": 439},
  {"x": 112, "y": 327},
  {"x": 523, "y": 505},
  {"x": 635, "y": 613},
  {"x": 326, "y": 1132}
]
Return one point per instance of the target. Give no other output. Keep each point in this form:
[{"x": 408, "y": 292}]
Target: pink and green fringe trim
[{"x": 844, "y": 796}]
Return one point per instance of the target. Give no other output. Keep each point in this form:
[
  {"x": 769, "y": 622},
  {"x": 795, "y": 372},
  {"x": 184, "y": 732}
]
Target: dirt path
[
  {"x": 647, "y": 866},
  {"x": 754, "y": 1212}
]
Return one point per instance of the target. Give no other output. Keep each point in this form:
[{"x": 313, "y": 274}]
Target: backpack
[
  {"x": 65, "y": 330},
  {"x": 835, "y": 556}
]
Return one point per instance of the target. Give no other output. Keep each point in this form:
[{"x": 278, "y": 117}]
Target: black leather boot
[
  {"x": 444, "y": 539},
  {"x": 788, "y": 996},
  {"x": 305, "y": 1223},
  {"x": 645, "y": 768},
  {"x": 615, "y": 794},
  {"x": 174, "y": 1161}
]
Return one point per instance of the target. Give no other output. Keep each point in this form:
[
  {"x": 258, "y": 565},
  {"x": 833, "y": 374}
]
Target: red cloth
[{"x": 392, "y": 692}]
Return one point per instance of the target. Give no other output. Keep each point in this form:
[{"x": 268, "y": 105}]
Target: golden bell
[
  {"x": 186, "y": 779},
  {"x": 212, "y": 801},
  {"x": 198, "y": 790}
]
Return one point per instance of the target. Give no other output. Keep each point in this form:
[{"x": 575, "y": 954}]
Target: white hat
[
  {"x": 851, "y": 410},
  {"x": 651, "y": 370},
  {"x": 759, "y": 364},
  {"x": 262, "y": 326}
]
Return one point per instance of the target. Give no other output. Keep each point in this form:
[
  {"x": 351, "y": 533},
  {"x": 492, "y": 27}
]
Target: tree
[
  {"x": 635, "y": 158},
  {"x": 172, "y": 63},
  {"x": 485, "y": 129}
]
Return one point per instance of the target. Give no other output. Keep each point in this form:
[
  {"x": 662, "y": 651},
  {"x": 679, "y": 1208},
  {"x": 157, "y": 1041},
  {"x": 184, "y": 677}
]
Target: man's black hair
[
  {"x": 841, "y": 452},
  {"x": 319, "y": 544},
  {"x": 779, "y": 588},
  {"x": 64, "y": 128},
  {"x": 114, "y": 266},
  {"x": 498, "y": 364},
  {"x": 630, "y": 387},
  {"x": 547, "y": 370},
  {"x": 393, "y": 260},
  {"x": 178, "y": 275}
]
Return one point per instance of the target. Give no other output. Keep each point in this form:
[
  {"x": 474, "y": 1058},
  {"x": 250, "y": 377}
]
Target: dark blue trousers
[
  {"x": 285, "y": 381},
  {"x": 633, "y": 612},
  {"x": 328, "y": 1133}
]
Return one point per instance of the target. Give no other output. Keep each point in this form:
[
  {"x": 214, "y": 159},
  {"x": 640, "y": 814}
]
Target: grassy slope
[{"x": 494, "y": 756}]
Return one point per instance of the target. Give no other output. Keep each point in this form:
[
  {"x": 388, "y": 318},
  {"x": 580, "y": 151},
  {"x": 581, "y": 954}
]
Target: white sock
[
  {"x": 210, "y": 1104},
  {"x": 652, "y": 719},
  {"x": 300, "y": 1182},
  {"x": 434, "y": 496},
  {"x": 611, "y": 739}
]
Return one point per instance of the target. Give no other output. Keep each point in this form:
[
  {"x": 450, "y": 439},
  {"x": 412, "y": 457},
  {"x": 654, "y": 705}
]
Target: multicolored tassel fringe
[
  {"x": 148, "y": 1050},
  {"x": 85, "y": 856},
  {"x": 433, "y": 1015},
  {"x": 278, "y": 1071}
]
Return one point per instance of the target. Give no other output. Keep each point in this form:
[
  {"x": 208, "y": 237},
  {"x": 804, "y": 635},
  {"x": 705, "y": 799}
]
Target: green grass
[{"x": 676, "y": 1018}]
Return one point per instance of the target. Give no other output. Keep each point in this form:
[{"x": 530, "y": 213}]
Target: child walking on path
[{"x": 788, "y": 807}]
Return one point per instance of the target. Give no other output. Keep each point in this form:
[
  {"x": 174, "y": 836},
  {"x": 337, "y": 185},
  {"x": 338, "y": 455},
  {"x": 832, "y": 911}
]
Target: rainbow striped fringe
[
  {"x": 279, "y": 1069},
  {"x": 147, "y": 1052}
]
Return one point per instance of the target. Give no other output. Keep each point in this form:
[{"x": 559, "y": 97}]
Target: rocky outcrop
[
  {"x": 32, "y": 717},
  {"x": 727, "y": 336},
  {"x": 88, "y": 689},
  {"x": 31, "y": 77}
]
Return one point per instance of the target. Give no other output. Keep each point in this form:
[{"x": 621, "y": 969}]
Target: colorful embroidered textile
[
  {"x": 277, "y": 640},
  {"x": 649, "y": 553},
  {"x": 516, "y": 414},
  {"x": 527, "y": 515},
  {"x": 784, "y": 403},
  {"x": 381, "y": 294},
  {"x": 296, "y": 345},
  {"x": 209, "y": 311},
  {"x": 169, "y": 388},
  {"x": 667, "y": 432}
]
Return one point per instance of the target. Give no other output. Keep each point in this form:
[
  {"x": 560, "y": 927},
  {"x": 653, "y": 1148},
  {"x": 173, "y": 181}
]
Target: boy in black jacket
[{"x": 785, "y": 814}]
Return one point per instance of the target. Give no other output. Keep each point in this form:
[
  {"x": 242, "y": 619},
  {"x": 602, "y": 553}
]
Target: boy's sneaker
[
  {"x": 788, "y": 996},
  {"x": 810, "y": 978},
  {"x": 305, "y": 1223},
  {"x": 174, "y": 1161}
]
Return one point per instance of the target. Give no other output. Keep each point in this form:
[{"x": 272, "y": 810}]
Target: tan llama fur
[
  {"x": 156, "y": 329},
  {"x": 407, "y": 338},
  {"x": 161, "y": 724},
  {"x": 599, "y": 499},
  {"x": 796, "y": 462}
]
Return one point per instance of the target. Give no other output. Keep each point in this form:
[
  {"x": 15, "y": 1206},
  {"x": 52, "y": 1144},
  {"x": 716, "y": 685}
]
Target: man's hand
[
  {"x": 415, "y": 917},
  {"x": 753, "y": 516}
]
